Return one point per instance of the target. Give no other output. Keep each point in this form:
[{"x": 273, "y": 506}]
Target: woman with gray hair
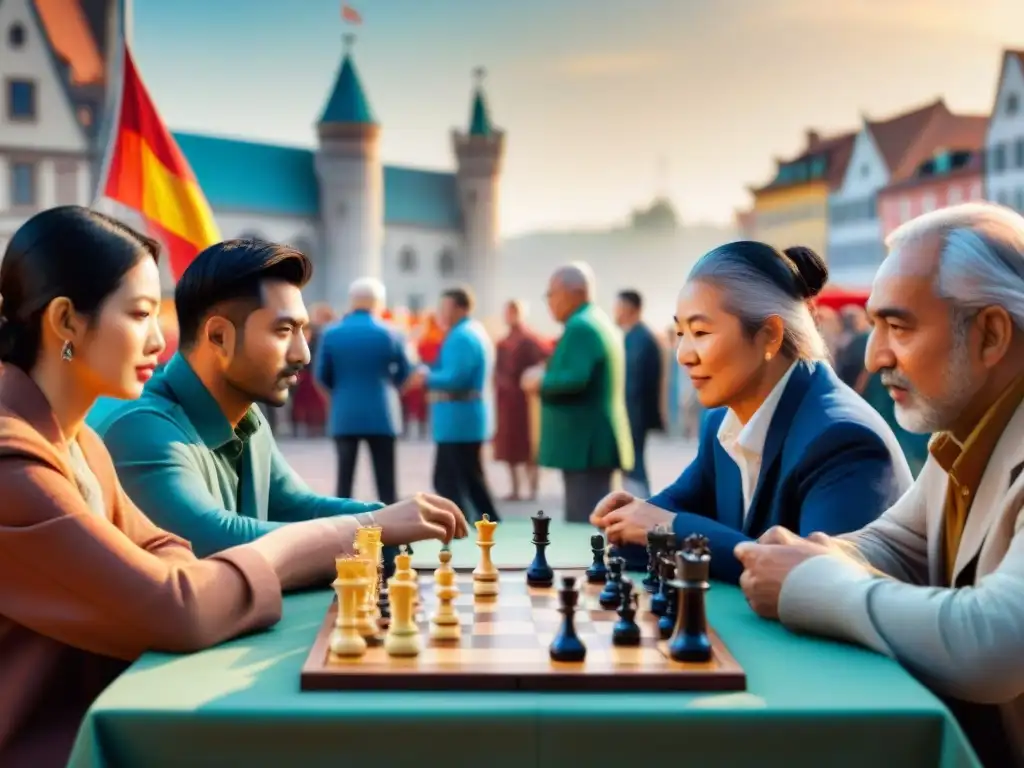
[{"x": 785, "y": 442}]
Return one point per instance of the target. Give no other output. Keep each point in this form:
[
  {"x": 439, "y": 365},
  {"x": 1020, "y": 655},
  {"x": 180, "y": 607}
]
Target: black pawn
[
  {"x": 667, "y": 620},
  {"x": 539, "y": 574},
  {"x": 383, "y": 601},
  {"x": 654, "y": 539},
  {"x": 567, "y": 645},
  {"x": 610, "y": 595},
  {"x": 659, "y": 600},
  {"x": 598, "y": 572},
  {"x": 690, "y": 641},
  {"x": 626, "y": 631}
]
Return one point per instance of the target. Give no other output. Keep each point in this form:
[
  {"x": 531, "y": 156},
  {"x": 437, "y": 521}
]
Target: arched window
[
  {"x": 407, "y": 259},
  {"x": 446, "y": 262},
  {"x": 16, "y": 35}
]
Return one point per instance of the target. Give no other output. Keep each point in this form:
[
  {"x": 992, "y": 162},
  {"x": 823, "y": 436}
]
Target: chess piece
[
  {"x": 445, "y": 624},
  {"x": 610, "y": 595},
  {"x": 598, "y": 572},
  {"x": 626, "y": 631},
  {"x": 405, "y": 572},
  {"x": 659, "y": 600},
  {"x": 655, "y": 541},
  {"x": 567, "y": 645},
  {"x": 383, "y": 602},
  {"x": 345, "y": 639},
  {"x": 667, "y": 620},
  {"x": 485, "y": 575},
  {"x": 403, "y": 637},
  {"x": 539, "y": 574},
  {"x": 369, "y": 545},
  {"x": 366, "y": 607},
  {"x": 690, "y": 641}
]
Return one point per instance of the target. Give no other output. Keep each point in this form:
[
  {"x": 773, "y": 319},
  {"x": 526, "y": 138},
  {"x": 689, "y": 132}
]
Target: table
[{"x": 810, "y": 702}]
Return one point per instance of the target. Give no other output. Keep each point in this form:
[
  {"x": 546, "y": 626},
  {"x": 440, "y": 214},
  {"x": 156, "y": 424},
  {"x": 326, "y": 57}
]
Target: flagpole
[{"x": 115, "y": 97}]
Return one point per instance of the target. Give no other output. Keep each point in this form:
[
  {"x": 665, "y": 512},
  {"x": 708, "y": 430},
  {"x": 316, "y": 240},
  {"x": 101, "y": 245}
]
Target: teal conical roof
[
  {"x": 348, "y": 102},
  {"x": 480, "y": 117}
]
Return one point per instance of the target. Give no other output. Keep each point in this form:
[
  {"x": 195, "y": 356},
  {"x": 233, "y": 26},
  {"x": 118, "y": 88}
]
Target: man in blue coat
[
  {"x": 361, "y": 363},
  {"x": 459, "y": 414}
]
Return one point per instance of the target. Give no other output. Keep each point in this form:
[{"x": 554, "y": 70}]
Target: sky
[{"x": 606, "y": 103}]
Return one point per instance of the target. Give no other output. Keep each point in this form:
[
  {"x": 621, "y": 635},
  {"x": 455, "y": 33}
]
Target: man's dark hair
[
  {"x": 233, "y": 272},
  {"x": 462, "y": 297},
  {"x": 633, "y": 298}
]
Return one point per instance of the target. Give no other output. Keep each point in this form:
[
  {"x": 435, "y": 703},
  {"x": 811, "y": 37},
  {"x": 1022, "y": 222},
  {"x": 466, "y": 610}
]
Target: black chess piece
[
  {"x": 567, "y": 645},
  {"x": 626, "y": 631},
  {"x": 690, "y": 641},
  {"x": 539, "y": 574},
  {"x": 659, "y": 600},
  {"x": 383, "y": 600},
  {"x": 655, "y": 541},
  {"x": 598, "y": 572},
  {"x": 667, "y": 620},
  {"x": 609, "y": 597}
]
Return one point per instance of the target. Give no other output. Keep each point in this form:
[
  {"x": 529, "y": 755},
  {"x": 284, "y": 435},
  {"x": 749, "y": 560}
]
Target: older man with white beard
[{"x": 937, "y": 582}]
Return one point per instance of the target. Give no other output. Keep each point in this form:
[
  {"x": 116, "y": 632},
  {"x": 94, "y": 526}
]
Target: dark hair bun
[{"x": 811, "y": 269}]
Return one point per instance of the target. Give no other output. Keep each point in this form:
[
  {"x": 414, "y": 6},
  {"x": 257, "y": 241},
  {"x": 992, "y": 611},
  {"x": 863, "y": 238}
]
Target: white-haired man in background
[
  {"x": 937, "y": 582},
  {"x": 361, "y": 363}
]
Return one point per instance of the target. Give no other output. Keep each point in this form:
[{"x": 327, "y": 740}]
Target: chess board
[{"x": 504, "y": 646}]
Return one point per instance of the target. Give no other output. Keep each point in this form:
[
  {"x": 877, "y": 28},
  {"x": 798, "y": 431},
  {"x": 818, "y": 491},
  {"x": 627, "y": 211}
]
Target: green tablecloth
[{"x": 809, "y": 702}]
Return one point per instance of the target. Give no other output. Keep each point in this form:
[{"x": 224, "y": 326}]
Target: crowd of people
[{"x": 171, "y": 521}]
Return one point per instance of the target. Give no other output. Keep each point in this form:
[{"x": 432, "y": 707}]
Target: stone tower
[
  {"x": 479, "y": 152},
  {"x": 351, "y": 179}
]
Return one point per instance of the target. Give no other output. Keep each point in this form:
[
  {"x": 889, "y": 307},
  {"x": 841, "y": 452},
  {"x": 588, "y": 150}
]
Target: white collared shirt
[{"x": 745, "y": 443}]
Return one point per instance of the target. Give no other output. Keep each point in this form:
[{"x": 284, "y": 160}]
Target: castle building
[{"x": 418, "y": 230}]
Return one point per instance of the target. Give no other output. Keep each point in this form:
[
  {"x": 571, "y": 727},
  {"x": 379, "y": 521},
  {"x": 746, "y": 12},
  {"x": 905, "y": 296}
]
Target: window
[
  {"x": 1012, "y": 103},
  {"x": 67, "y": 182},
  {"x": 23, "y": 184},
  {"x": 954, "y": 196},
  {"x": 865, "y": 169},
  {"x": 21, "y": 100},
  {"x": 407, "y": 259},
  {"x": 904, "y": 210},
  {"x": 414, "y": 303},
  {"x": 928, "y": 203},
  {"x": 446, "y": 262},
  {"x": 998, "y": 157},
  {"x": 16, "y": 35},
  {"x": 1018, "y": 202}
]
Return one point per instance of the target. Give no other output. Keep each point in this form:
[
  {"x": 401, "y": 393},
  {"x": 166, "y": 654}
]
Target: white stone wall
[
  {"x": 418, "y": 263},
  {"x": 855, "y": 229},
  {"x": 1004, "y": 175},
  {"x": 352, "y": 210}
]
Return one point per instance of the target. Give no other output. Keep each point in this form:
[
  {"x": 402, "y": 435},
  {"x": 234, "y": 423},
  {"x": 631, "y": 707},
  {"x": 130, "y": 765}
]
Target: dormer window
[
  {"x": 16, "y": 35},
  {"x": 1012, "y": 104}
]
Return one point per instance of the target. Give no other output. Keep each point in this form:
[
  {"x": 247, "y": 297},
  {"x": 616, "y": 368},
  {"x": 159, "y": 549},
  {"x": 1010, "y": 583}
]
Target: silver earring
[{"x": 67, "y": 351}]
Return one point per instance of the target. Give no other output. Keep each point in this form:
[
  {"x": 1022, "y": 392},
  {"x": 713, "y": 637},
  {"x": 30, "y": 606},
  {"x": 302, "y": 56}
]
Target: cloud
[{"x": 611, "y": 63}]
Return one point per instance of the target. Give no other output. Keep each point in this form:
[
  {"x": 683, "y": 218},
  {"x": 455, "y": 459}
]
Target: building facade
[
  {"x": 419, "y": 230},
  {"x": 886, "y": 154},
  {"x": 949, "y": 178},
  {"x": 792, "y": 209},
  {"x": 53, "y": 70},
  {"x": 1004, "y": 142}
]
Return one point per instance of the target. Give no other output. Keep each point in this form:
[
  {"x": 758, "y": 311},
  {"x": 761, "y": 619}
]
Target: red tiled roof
[
  {"x": 896, "y": 136},
  {"x": 69, "y": 33},
  {"x": 837, "y": 149}
]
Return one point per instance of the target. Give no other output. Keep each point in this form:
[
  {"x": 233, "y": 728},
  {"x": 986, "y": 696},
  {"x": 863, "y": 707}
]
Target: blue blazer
[
  {"x": 362, "y": 361},
  {"x": 830, "y": 464},
  {"x": 461, "y": 373}
]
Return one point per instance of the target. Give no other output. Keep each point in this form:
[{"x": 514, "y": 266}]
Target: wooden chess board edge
[{"x": 316, "y": 675}]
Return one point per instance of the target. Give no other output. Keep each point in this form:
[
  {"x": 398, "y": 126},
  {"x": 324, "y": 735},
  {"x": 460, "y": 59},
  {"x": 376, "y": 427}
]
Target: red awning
[{"x": 837, "y": 298}]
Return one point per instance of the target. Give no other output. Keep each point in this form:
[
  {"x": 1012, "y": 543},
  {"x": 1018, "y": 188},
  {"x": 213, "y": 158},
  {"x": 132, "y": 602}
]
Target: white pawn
[
  {"x": 403, "y": 637},
  {"x": 445, "y": 624}
]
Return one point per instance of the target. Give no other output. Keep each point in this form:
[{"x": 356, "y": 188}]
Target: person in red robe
[
  {"x": 414, "y": 398},
  {"x": 520, "y": 350}
]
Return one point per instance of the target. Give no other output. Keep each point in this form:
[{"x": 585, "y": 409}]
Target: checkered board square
[{"x": 504, "y": 646}]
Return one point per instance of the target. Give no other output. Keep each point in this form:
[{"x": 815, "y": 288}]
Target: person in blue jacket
[{"x": 785, "y": 442}]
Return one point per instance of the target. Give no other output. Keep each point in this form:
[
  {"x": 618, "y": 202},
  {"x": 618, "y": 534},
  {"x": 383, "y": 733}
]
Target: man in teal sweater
[{"x": 196, "y": 455}]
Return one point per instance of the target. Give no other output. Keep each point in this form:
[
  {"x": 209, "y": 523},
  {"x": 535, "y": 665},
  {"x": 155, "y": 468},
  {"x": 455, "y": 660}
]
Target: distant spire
[
  {"x": 348, "y": 102},
  {"x": 480, "y": 118}
]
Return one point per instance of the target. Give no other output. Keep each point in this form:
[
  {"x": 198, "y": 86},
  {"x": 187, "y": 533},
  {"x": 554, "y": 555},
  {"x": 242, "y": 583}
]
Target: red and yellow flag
[{"x": 149, "y": 174}]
